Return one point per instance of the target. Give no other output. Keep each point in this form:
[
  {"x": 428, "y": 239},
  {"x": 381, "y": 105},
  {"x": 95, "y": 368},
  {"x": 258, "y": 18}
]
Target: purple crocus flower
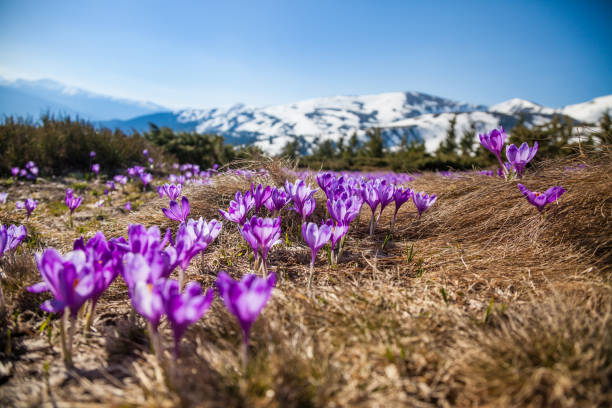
[
  {"x": 423, "y": 201},
  {"x": 371, "y": 197},
  {"x": 106, "y": 261},
  {"x": 128, "y": 206},
  {"x": 338, "y": 232},
  {"x": 494, "y": 142},
  {"x": 204, "y": 232},
  {"x": 400, "y": 196},
  {"x": 29, "y": 205},
  {"x": 192, "y": 237},
  {"x": 110, "y": 185},
  {"x": 121, "y": 179},
  {"x": 316, "y": 237},
  {"x": 260, "y": 195},
  {"x": 176, "y": 212},
  {"x": 172, "y": 191},
  {"x": 239, "y": 208},
  {"x": 262, "y": 234},
  {"x": 539, "y": 200},
  {"x": 277, "y": 201},
  {"x": 146, "y": 178},
  {"x": 92, "y": 154},
  {"x": 245, "y": 299},
  {"x": 3, "y": 249},
  {"x": 184, "y": 309},
  {"x": 302, "y": 196},
  {"x": 145, "y": 152},
  {"x": 95, "y": 168},
  {"x": 71, "y": 201},
  {"x": 69, "y": 278},
  {"x": 23, "y": 172},
  {"x": 325, "y": 180},
  {"x": 14, "y": 236},
  {"x": 519, "y": 157},
  {"x": 3, "y": 197},
  {"x": 344, "y": 209},
  {"x": 15, "y": 171},
  {"x": 385, "y": 194}
]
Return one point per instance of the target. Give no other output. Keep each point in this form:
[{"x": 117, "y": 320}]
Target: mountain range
[{"x": 400, "y": 115}]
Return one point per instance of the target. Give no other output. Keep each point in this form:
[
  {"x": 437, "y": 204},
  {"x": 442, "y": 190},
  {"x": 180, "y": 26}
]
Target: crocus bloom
[
  {"x": 301, "y": 194},
  {"x": 260, "y": 195},
  {"x": 95, "y": 168},
  {"x": 176, "y": 212},
  {"x": 14, "y": 236},
  {"x": 3, "y": 197},
  {"x": 245, "y": 299},
  {"x": 423, "y": 201},
  {"x": 69, "y": 278},
  {"x": 385, "y": 194},
  {"x": 371, "y": 196},
  {"x": 172, "y": 191},
  {"x": 121, "y": 179},
  {"x": 184, "y": 309},
  {"x": 400, "y": 196},
  {"x": 239, "y": 208},
  {"x": 15, "y": 171},
  {"x": 146, "y": 178},
  {"x": 29, "y": 205},
  {"x": 128, "y": 206},
  {"x": 277, "y": 200},
  {"x": 316, "y": 238},
  {"x": 145, "y": 152},
  {"x": 106, "y": 262},
  {"x": 71, "y": 201},
  {"x": 519, "y": 157},
  {"x": 494, "y": 142},
  {"x": 539, "y": 200},
  {"x": 92, "y": 154},
  {"x": 262, "y": 234}
]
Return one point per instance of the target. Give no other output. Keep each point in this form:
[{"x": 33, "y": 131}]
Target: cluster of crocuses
[
  {"x": 145, "y": 260},
  {"x": 29, "y": 205},
  {"x": 141, "y": 173},
  {"x": 192, "y": 174},
  {"x": 30, "y": 171},
  {"x": 518, "y": 157},
  {"x": 261, "y": 233},
  {"x": 10, "y": 238},
  {"x": 72, "y": 202}
]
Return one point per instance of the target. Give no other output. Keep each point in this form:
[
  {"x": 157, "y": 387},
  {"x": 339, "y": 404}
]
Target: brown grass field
[{"x": 481, "y": 302}]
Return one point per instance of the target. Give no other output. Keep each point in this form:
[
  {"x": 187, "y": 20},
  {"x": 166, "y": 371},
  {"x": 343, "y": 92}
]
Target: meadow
[{"x": 477, "y": 299}]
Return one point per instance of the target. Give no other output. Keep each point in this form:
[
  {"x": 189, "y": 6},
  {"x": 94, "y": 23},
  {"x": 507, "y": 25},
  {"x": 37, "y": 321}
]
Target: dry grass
[{"x": 497, "y": 306}]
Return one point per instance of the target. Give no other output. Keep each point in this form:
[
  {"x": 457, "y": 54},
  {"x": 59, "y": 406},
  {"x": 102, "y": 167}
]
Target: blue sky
[{"x": 205, "y": 54}]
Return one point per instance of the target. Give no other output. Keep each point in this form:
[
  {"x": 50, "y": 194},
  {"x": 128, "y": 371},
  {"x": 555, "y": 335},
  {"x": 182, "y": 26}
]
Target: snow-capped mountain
[
  {"x": 31, "y": 98},
  {"x": 399, "y": 115}
]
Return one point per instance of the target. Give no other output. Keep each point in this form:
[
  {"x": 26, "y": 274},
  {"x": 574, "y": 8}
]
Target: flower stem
[
  {"x": 155, "y": 343},
  {"x": 245, "y": 351},
  {"x": 66, "y": 349},
  {"x": 2, "y": 303},
  {"x": 90, "y": 316},
  {"x": 310, "y": 276}
]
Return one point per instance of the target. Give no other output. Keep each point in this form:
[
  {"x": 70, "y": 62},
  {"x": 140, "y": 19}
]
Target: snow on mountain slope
[
  {"x": 271, "y": 127},
  {"x": 590, "y": 111},
  {"x": 516, "y": 106},
  {"x": 30, "y": 98},
  {"x": 401, "y": 115}
]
